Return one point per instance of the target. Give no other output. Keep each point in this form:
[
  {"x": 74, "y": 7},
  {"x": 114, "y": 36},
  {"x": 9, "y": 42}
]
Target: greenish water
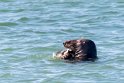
[{"x": 32, "y": 30}]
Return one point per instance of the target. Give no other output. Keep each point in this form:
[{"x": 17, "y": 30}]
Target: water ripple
[
  {"x": 8, "y": 24},
  {"x": 31, "y": 30}
]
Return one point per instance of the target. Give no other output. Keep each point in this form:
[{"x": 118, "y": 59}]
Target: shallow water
[{"x": 31, "y": 30}]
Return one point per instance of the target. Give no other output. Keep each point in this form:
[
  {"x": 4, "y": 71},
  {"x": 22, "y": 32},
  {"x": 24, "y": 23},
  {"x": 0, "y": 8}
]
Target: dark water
[{"x": 31, "y": 30}]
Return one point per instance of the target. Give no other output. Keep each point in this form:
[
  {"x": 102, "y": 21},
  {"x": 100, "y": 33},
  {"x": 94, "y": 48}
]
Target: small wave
[
  {"x": 5, "y": 10},
  {"x": 23, "y": 19},
  {"x": 6, "y": 75},
  {"x": 4, "y": 0},
  {"x": 8, "y": 24},
  {"x": 9, "y": 10}
]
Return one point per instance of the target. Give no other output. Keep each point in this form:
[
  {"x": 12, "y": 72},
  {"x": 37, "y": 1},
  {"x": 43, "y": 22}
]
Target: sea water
[{"x": 32, "y": 30}]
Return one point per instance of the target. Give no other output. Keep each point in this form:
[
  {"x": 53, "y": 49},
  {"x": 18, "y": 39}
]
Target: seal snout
[{"x": 64, "y": 44}]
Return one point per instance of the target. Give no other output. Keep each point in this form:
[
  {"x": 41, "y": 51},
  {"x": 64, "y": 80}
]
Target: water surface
[{"x": 31, "y": 30}]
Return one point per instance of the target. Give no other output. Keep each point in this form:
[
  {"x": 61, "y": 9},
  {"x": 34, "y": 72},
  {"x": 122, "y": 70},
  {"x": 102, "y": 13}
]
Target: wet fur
[{"x": 83, "y": 49}]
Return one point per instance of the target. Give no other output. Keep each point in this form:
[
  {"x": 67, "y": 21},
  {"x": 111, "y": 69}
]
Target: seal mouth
[{"x": 68, "y": 49}]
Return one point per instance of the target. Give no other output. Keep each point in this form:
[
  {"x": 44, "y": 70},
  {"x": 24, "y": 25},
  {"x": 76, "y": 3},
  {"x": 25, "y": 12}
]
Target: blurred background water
[{"x": 31, "y": 30}]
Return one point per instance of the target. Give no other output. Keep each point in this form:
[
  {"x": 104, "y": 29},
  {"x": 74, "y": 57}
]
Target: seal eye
[{"x": 63, "y": 43}]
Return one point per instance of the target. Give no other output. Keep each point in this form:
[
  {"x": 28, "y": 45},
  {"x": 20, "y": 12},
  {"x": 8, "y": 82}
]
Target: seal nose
[{"x": 63, "y": 43}]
